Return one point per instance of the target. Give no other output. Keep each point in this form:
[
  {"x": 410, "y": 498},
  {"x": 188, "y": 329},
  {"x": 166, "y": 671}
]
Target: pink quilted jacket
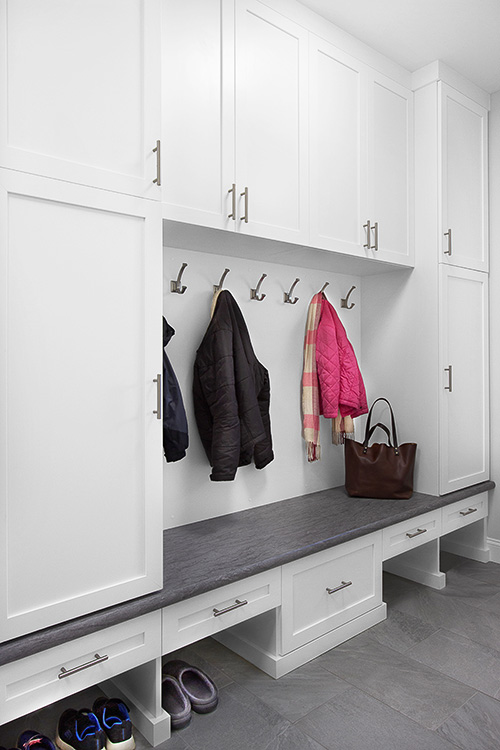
[{"x": 340, "y": 383}]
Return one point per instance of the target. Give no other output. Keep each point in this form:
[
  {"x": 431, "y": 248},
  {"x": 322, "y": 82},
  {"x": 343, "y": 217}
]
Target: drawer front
[
  {"x": 206, "y": 614},
  {"x": 327, "y": 589},
  {"x": 464, "y": 512},
  {"x": 409, "y": 534},
  {"x": 36, "y": 681}
]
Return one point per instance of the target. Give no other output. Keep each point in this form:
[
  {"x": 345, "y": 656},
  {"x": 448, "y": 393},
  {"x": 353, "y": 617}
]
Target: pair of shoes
[
  {"x": 107, "y": 726},
  {"x": 31, "y": 740},
  {"x": 186, "y": 689}
]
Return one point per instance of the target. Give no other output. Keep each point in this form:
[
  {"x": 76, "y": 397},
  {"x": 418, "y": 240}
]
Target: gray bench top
[{"x": 203, "y": 556}]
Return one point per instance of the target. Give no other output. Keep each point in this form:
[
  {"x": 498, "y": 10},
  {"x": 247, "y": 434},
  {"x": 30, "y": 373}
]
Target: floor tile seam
[
  {"x": 461, "y": 635},
  {"x": 459, "y": 709}
]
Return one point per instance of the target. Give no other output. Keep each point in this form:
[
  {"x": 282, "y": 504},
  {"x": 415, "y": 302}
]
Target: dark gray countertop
[{"x": 208, "y": 554}]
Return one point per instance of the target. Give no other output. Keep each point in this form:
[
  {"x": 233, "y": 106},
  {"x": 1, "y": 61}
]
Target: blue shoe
[
  {"x": 79, "y": 730},
  {"x": 31, "y": 740},
  {"x": 115, "y": 720}
]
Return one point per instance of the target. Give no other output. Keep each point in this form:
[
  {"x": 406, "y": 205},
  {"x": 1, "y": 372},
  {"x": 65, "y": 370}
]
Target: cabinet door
[
  {"x": 464, "y": 423},
  {"x": 198, "y": 111},
  {"x": 336, "y": 149},
  {"x": 80, "y": 447},
  {"x": 271, "y": 124},
  {"x": 389, "y": 177},
  {"x": 79, "y": 91},
  {"x": 464, "y": 144}
]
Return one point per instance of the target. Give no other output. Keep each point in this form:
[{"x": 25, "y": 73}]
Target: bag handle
[
  {"x": 369, "y": 431},
  {"x": 382, "y": 427}
]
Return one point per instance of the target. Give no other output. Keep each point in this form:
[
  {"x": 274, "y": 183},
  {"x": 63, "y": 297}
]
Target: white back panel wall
[{"x": 277, "y": 334}]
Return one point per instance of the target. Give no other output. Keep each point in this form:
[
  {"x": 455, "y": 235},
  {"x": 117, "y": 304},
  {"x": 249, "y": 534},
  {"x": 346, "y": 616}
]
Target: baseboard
[
  {"x": 276, "y": 666},
  {"x": 494, "y": 545},
  {"x": 435, "y": 580},
  {"x": 481, "y": 554}
]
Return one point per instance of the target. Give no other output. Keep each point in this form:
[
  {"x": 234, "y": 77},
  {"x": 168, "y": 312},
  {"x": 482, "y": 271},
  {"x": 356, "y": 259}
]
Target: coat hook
[
  {"x": 176, "y": 286},
  {"x": 218, "y": 287},
  {"x": 343, "y": 302},
  {"x": 324, "y": 287},
  {"x": 287, "y": 296},
  {"x": 254, "y": 293}
]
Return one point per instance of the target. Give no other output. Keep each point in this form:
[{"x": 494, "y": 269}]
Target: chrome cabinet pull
[
  {"x": 367, "y": 226},
  {"x": 448, "y": 234},
  {"x": 449, "y": 370},
  {"x": 157, "y": 411},
  {"x": 158, "y": 163},
  {"x": 96, "y": 660},
  {"x": 344, "y": 585},
  {"x": 232, "y": 190},
  {"x": 236, "y": 605},
  {"x": 468, "y": 512},
  {"x": 245, "y": 217},
  {"x": 375, "y": 231},
  {"x": 417, "y": 533}
]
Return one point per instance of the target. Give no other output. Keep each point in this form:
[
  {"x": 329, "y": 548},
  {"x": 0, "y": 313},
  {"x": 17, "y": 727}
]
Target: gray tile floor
[{"x": 428, "y": 677}]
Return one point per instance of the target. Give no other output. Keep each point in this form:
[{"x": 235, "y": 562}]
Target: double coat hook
[
  {"x": 218, "y": 287},
  {"x": 343, "y": 302},
  {"x": 287, "y": 296},
  {"x": 254, "y": 293},
  {"x": 176, "y": 286}
]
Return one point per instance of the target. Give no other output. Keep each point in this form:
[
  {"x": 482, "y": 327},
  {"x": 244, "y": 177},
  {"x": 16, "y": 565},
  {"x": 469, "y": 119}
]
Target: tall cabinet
[{"x": 80, "y": 319}]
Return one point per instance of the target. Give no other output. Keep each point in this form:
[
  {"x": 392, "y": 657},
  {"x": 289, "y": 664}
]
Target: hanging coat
[
  {"x": 175, "y": 428},
  {"x": 231, "y": 394}
]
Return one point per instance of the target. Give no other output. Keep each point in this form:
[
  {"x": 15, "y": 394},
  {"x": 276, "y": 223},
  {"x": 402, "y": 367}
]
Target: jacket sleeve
[{"x": 220, "y": 394}]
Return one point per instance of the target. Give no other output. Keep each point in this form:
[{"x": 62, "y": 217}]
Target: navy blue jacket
[{"x": 175, "y": 428}]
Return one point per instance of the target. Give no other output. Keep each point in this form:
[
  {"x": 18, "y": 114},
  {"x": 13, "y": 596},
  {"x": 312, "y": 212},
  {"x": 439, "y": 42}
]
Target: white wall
[
  {"x": 494, "y": 164},
  {"x": 277, "y": 333}
]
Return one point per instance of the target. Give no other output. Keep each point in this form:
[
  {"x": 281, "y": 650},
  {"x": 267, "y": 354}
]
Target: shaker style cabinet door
[
  {"x": 80, "y": 91},
  {"x": 198, "y": 112},
  {"x": 80, "y": 444},
  {"x": 390, "y": 174},
  {"x": 271, "y": 124},
  {"x": 337, "y": 149},
  {"x": 464, "y": 423},
  {"x": 464, "y": 180}
]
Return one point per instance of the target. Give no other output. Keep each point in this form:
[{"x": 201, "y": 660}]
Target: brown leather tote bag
[{"x": 379, "y": 470}]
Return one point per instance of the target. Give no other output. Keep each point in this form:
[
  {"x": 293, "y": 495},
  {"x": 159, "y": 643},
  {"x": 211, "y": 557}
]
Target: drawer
[
  {"x": 464, "y": 512},
  {"x": 409, "y": 534},
  {"x": 191, "y": 619},
  {"x": 35, "y": 681},
  {"x": 325, "y": 590}
]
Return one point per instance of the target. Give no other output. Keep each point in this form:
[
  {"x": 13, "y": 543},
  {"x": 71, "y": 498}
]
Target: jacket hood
[{"x": 168, "y": 332}]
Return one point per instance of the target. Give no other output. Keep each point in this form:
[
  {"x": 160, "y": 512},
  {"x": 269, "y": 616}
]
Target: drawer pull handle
[
  {"x": 96, "y": 660},
  {"x": 237, "y": 604},
  {"x": 468, "y": 512},
  {"x": 417, "y": 533},
  {"x": 344, "y": 585}
]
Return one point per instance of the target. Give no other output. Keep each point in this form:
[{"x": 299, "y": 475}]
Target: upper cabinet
[
  {"x": 360, "y": 158},
  {"x": 272, "y": 131},
  {"x": 80, "y": 92},
  {"x": 463, "y": 126},
  {"x": 235, "y": 122}
]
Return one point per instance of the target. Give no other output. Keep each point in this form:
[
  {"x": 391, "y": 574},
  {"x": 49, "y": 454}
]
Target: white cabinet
[
  {"x": 360, "y": 158},
  {"x": 464, "y": 389},
  {"x": 235, "y": 117},
  {"x": 80, "y": 446},
  {"x": 464, "y": 180},
  {"x": 80, "y": 91}
]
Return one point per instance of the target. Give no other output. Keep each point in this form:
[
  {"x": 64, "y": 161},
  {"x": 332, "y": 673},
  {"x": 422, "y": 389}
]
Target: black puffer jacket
[
  {"x": 175, "y": 428},
  {"x": 231, "y": 395}
]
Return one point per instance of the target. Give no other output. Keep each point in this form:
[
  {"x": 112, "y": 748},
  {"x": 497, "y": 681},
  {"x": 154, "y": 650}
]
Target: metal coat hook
[
  {"x": 324, "y": 287},
  {"x": 176, "y": 286},
  {"x": 254, "y": 293},
  {"x": 218, "y": 287},
  {"x": 343, "y": 302},
  {"x": 287, "y": 296}
]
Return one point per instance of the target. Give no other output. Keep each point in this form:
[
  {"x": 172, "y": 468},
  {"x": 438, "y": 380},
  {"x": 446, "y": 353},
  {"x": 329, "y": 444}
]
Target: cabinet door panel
[
  {"x": 271, "y": 123},
  {"x": 464, "y": 423},
  {"x": 79, "y": 93},
  {"x": 80, "y": 446},
  {"x": 389, "y": 172},
  {"x": 464, "y": 180},
  {"x": 337, "y": 153},
  {"x": 198, "y": 111}
]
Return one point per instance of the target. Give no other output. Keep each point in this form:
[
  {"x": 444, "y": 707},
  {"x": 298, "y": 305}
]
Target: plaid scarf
[{"x": 310, "y": 383}]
